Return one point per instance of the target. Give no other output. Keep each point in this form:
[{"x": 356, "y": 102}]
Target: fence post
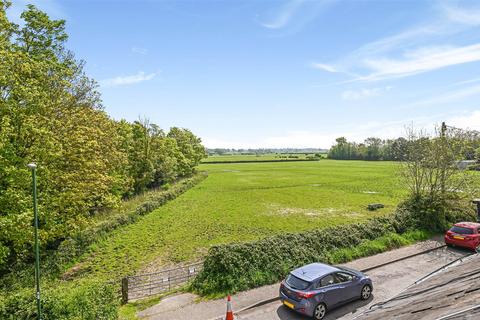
[{"x": 124, "y": 290}]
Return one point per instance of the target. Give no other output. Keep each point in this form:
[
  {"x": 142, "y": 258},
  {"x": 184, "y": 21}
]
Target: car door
[
  {"x": 347, "y": 285},
  {"x": 331, "y": 291}
]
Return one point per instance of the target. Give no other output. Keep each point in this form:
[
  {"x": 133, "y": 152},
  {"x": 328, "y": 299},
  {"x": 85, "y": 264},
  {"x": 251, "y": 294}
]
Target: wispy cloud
[
  {"x": 324, "y": 67},
  {"x": 470, "y": 16},
  {"x": 283, "y": 15},
  {"x": 449, "y": 97},
  {"x": 293, "y": 14},
  {"x": 127, "y": 80},
  {"x": 353, "y": 95},
  {"x": 419, "y": 61},
  {"x": 411, "y": 52},
  {"x": 139, "y": 50}
]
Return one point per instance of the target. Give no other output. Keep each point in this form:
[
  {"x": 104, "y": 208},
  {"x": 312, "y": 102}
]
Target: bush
[
  {"x": 432, "y": 215},
  {"x": 86, "y": 300},
  {"x": 240, "y": 266}
]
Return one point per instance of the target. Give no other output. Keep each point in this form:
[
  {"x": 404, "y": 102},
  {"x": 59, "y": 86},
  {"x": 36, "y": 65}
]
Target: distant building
[{"x": 464, "y": 164}]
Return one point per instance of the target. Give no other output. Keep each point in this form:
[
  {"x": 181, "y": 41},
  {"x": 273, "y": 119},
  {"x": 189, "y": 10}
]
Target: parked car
[
  {"x": 464, "y": 234},
  {"x": 314, "y": 289}
]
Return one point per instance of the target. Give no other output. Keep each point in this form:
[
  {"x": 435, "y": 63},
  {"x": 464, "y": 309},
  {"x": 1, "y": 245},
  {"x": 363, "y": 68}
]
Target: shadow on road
[{"x": 285, "y": 313}]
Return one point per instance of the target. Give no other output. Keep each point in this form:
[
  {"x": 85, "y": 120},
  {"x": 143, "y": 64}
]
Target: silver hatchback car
[{"x": 315, "y": 288}]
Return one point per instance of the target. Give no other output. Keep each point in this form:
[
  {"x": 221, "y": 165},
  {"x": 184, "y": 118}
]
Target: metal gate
[{"x": 144, "y": 285}]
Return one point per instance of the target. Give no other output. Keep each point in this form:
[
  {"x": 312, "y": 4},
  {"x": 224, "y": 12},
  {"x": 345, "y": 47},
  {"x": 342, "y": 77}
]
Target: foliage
[
  {"x": 51, "y": 113},
  {"x": 83, "y": 300},
  {"x": 371, "y": 149},
  {"x": 438, "y": 189}
]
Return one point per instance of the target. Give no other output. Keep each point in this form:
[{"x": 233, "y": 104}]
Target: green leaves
[{"x": 51, "y": 113}]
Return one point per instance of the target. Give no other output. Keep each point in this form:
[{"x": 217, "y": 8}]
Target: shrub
[
  {"x": 86, "y": 300},
  {"x": 433, "y": 215}
]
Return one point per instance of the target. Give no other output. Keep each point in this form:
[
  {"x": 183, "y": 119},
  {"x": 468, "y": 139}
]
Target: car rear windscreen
[
  {"x": 297, "y": 283},
  {"x": 461, "y": 230}
]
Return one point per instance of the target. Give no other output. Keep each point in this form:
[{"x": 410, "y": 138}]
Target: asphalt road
[{"x": 388, "y": 281}]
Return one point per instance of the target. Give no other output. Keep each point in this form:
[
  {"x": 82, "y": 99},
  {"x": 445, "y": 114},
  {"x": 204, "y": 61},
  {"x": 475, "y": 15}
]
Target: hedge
[
  {"x": 241, "y": 266},
  {"x": 235, "y": 267},
  {"x": 86, "y": 300}
]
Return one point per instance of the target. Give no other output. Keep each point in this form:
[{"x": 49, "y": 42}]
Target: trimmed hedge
[{"x": 241, "y": 266}]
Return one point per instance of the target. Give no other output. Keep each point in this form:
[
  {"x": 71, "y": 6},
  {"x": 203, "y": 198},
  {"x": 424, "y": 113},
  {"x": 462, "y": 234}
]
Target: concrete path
[{"x": 395, "y": 277}]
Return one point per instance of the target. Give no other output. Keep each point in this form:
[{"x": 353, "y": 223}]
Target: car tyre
[
  {"x": 320, "y": 311},
  {"x": 366, "y": 292}
]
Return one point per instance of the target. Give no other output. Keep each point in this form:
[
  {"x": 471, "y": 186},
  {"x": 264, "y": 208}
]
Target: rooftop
[{"x": 451, "y": 293}]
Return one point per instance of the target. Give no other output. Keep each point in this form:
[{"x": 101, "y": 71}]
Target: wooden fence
[{"x": 144, "y": 285}]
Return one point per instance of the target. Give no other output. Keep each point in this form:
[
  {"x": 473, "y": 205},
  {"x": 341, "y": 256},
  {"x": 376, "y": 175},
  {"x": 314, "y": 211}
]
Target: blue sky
[{"x": 280, "y": 73}]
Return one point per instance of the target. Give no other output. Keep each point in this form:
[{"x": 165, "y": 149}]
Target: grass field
[
  {"x": 240, "y": 202},
  {"x": 259, "y": 157}
]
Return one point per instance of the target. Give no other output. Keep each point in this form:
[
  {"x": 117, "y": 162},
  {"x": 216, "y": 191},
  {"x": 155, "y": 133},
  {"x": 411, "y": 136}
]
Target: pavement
[{"x": 412, "y": 263}]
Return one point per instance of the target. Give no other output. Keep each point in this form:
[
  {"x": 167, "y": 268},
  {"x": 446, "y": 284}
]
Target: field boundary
[{"x": 257, "y": 161}]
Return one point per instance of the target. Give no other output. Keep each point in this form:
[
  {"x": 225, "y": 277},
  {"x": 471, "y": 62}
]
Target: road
[{"x": 388, "y": 281}]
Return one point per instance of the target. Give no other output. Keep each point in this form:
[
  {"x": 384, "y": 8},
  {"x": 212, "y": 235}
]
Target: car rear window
[
  {"x": 297, "y": 283},
  {"x": 461, "y": 230}
]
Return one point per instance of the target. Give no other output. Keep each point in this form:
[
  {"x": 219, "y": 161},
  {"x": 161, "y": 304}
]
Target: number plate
[
  {"x": 458, "y": 238},
  {"x": 288, "y": 304}
]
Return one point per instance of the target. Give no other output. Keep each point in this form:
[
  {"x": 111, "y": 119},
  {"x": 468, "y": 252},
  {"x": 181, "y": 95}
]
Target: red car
[{"x": 464, "y": 234}]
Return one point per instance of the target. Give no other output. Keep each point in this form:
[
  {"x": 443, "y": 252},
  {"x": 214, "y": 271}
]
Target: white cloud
[
  {"x": 293, "y": 14},
  {"x": 411, "y": 52},
  {"x": 466, "y": 121},
  {"x": 470, "y": 16},
  {"x": 363, "y": 93},
  {"x": 324, "y": 67},
  {"x": 284, "y": 15},
  {"x": 139, "y": 50},
  {"x": 127, "y": 80},
  {"x": 448, "y": 97},
  {"x": 421, "y": 60}
]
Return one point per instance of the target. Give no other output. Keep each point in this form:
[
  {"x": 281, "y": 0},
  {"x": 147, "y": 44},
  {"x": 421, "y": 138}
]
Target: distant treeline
[
  {"x": 370, "y": 149},
  {"x": 223, "y": 151},
  {"x": 51, "y": 114}
]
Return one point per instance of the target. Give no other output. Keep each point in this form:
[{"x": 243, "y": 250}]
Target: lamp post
[{"x": 33, "y": 167}]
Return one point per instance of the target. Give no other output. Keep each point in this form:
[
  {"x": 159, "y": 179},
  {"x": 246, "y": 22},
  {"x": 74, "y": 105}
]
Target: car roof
[
  {"x": 468, "y": 224},
  {"x": 313, "y": 271}
]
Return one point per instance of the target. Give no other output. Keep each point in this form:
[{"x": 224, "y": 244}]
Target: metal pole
[{"x": 33, "y": 167}]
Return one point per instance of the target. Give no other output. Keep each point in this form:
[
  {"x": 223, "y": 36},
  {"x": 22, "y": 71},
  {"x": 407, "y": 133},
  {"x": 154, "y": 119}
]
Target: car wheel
[
  {"x": 320, "y": 311},
  {"x": 366, "y": 292}
]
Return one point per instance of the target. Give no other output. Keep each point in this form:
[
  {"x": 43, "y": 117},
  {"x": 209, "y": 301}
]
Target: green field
[
  {"x": 239, "y": 202},
  {"x": 258, "y": 157}
]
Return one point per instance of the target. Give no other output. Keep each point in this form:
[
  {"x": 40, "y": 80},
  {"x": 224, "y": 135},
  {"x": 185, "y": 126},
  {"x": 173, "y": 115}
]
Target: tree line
[
  {"x": 51, "y": 113},
  {"x": 371, "y": 149}
]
